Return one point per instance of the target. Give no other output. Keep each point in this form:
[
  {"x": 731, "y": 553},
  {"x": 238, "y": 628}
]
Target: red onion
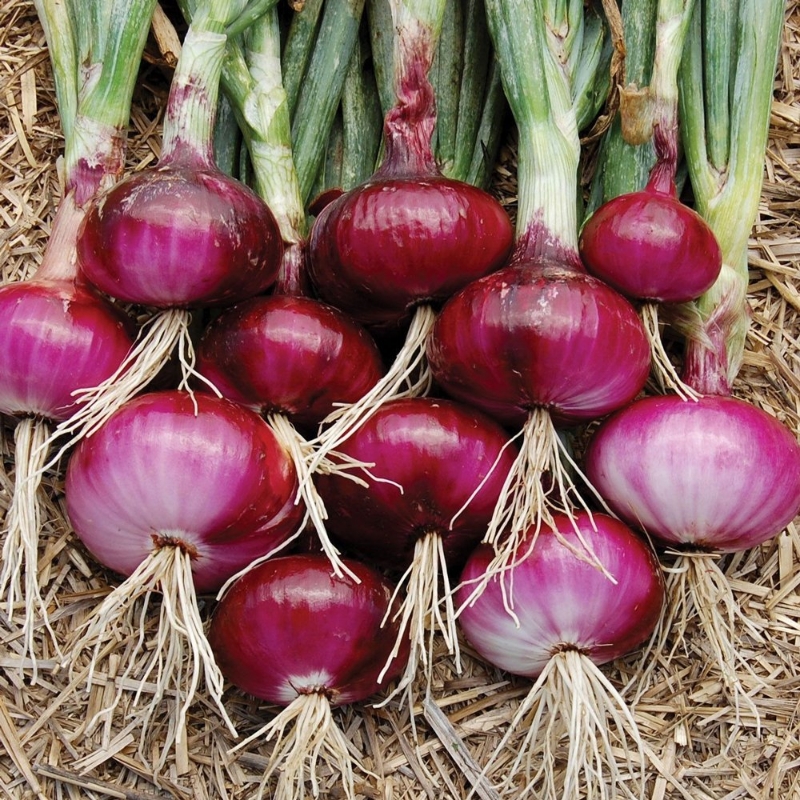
[
  {"x": 650, "y": 246},
  {"x": 291, "y": 633},
  {"x": 566, "y": 618},
  {"x": 293, "y": 359},
  {"x": 57, "y": 337},
  {"x": 179, "y": 235},
  {"x": 718, "y": 473},
  {"x": 542, "y": 345},
  {"x": 178, "y": 493},
  {"x": 401, "y": 243},
  {"x": 289, "y": 355},
  {"x": 439, "y": 468},
  {"x": 707, "y": 476}
]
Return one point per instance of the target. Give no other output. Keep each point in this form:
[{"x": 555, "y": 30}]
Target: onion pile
[{"x": 467, "y": 511}]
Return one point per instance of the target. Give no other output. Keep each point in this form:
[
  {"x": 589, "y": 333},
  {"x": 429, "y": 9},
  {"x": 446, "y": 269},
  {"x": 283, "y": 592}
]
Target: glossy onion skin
[
  {"x": 289, "y": 627},
  {"x": 292, "y": 355},
  {"x": 650, "y": 246},
  {"x": 439, "y": 452},
  {"x": 718, "y": 474},
  {"x": 180, "y": 236},
  {"x": 389, "y": 245},
  {"x": 540, "y": 336},
  {"x": 564, "y": 602},
  {"x": 218, "y": 481},
  {"x": 56, "y": 337}
]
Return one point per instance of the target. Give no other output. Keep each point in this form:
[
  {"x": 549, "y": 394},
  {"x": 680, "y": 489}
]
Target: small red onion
[
  {"x": 650, "y": 246},
  {"x": 291, "y": 633},
  {"x": 289, "y": 355}
]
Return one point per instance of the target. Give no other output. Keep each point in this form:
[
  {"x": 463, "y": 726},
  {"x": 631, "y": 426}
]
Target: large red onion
[
  {"x": 290, "y": 632},
  {"x": 178, "y": 493},
  {"x": 566, "y": 617},
  {"x": 439, "y": 468},
  {"x": 542, "y": 345},
  {"x": 717, "y": 473}
]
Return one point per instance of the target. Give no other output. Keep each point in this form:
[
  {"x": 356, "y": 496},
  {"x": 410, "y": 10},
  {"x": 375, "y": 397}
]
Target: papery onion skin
[
  {"x": 56, "y": 337},
  {"x": 540, "y": 336},
  {"x": 564, "y": 602},
  {"x": 290, "y": 627},
  {"x": 216, "y": 482},
  {"x": 291, "y": 355},
  {"x": 180, "y": 235},
  {"x": 648, "y": 245},
  {"x": 718, "y": 473},
  {"x": 390, "y": 244},
  {"x": 439, "y": 452}
]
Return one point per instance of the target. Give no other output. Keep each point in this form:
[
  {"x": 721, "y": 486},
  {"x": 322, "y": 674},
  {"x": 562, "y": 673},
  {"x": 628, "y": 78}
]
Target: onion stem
[
  {"x": 180, "y": 652},
  {"x": 420, "y": 615},
  {"x": 296, "y": 754},
  {"x": 726, "y": 81},
  {"x": 573, "y": 701},
  {"x": 19, "y": 577}
]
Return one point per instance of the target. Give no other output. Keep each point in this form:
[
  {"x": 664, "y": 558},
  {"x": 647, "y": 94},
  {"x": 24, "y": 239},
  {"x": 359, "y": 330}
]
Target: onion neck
[
  {"x": 95, "y": 135},
  {"x": 537, "y": 82},
  {"x": 60, "y": 260},
  {"x": 192, "y": 103},
  {"x": 409, "y": 124}
]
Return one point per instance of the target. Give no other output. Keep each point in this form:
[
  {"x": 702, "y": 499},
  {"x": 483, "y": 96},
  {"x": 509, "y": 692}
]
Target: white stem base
[
  {"x": 313, "y": 735},
  {"x": 174, "y": 661},
  {"x": 19, "y": 577},
  {"x": 147, "y": 357},
  {"x": 420, "y": 614},
  {"x": 581, "y": 738},
  {"x": 664, "y": 373},
  {"x": 408, "y": 376}
]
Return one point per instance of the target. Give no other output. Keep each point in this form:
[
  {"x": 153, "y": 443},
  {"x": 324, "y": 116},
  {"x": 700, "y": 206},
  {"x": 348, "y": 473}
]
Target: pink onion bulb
[
  {"x": 212, "y": 481},
  {"x": 180, "y": 235},
  {"x": 566, "y": 617},
  {"x": 178, "y": 494},
  {"x": 717, "y": 473},
  {"x": 56, "y": 337}
]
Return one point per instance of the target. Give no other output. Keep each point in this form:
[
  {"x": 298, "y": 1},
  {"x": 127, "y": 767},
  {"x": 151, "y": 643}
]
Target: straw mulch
[{"x": 697, "y": 748}]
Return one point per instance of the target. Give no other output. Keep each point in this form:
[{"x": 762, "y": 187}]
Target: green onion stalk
[
  {"x": 726, "y": 82},
  {"x": 188, "y": 131},
  {"x": 552, "y": 76},
  {"x": 94, "y": 80}
]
